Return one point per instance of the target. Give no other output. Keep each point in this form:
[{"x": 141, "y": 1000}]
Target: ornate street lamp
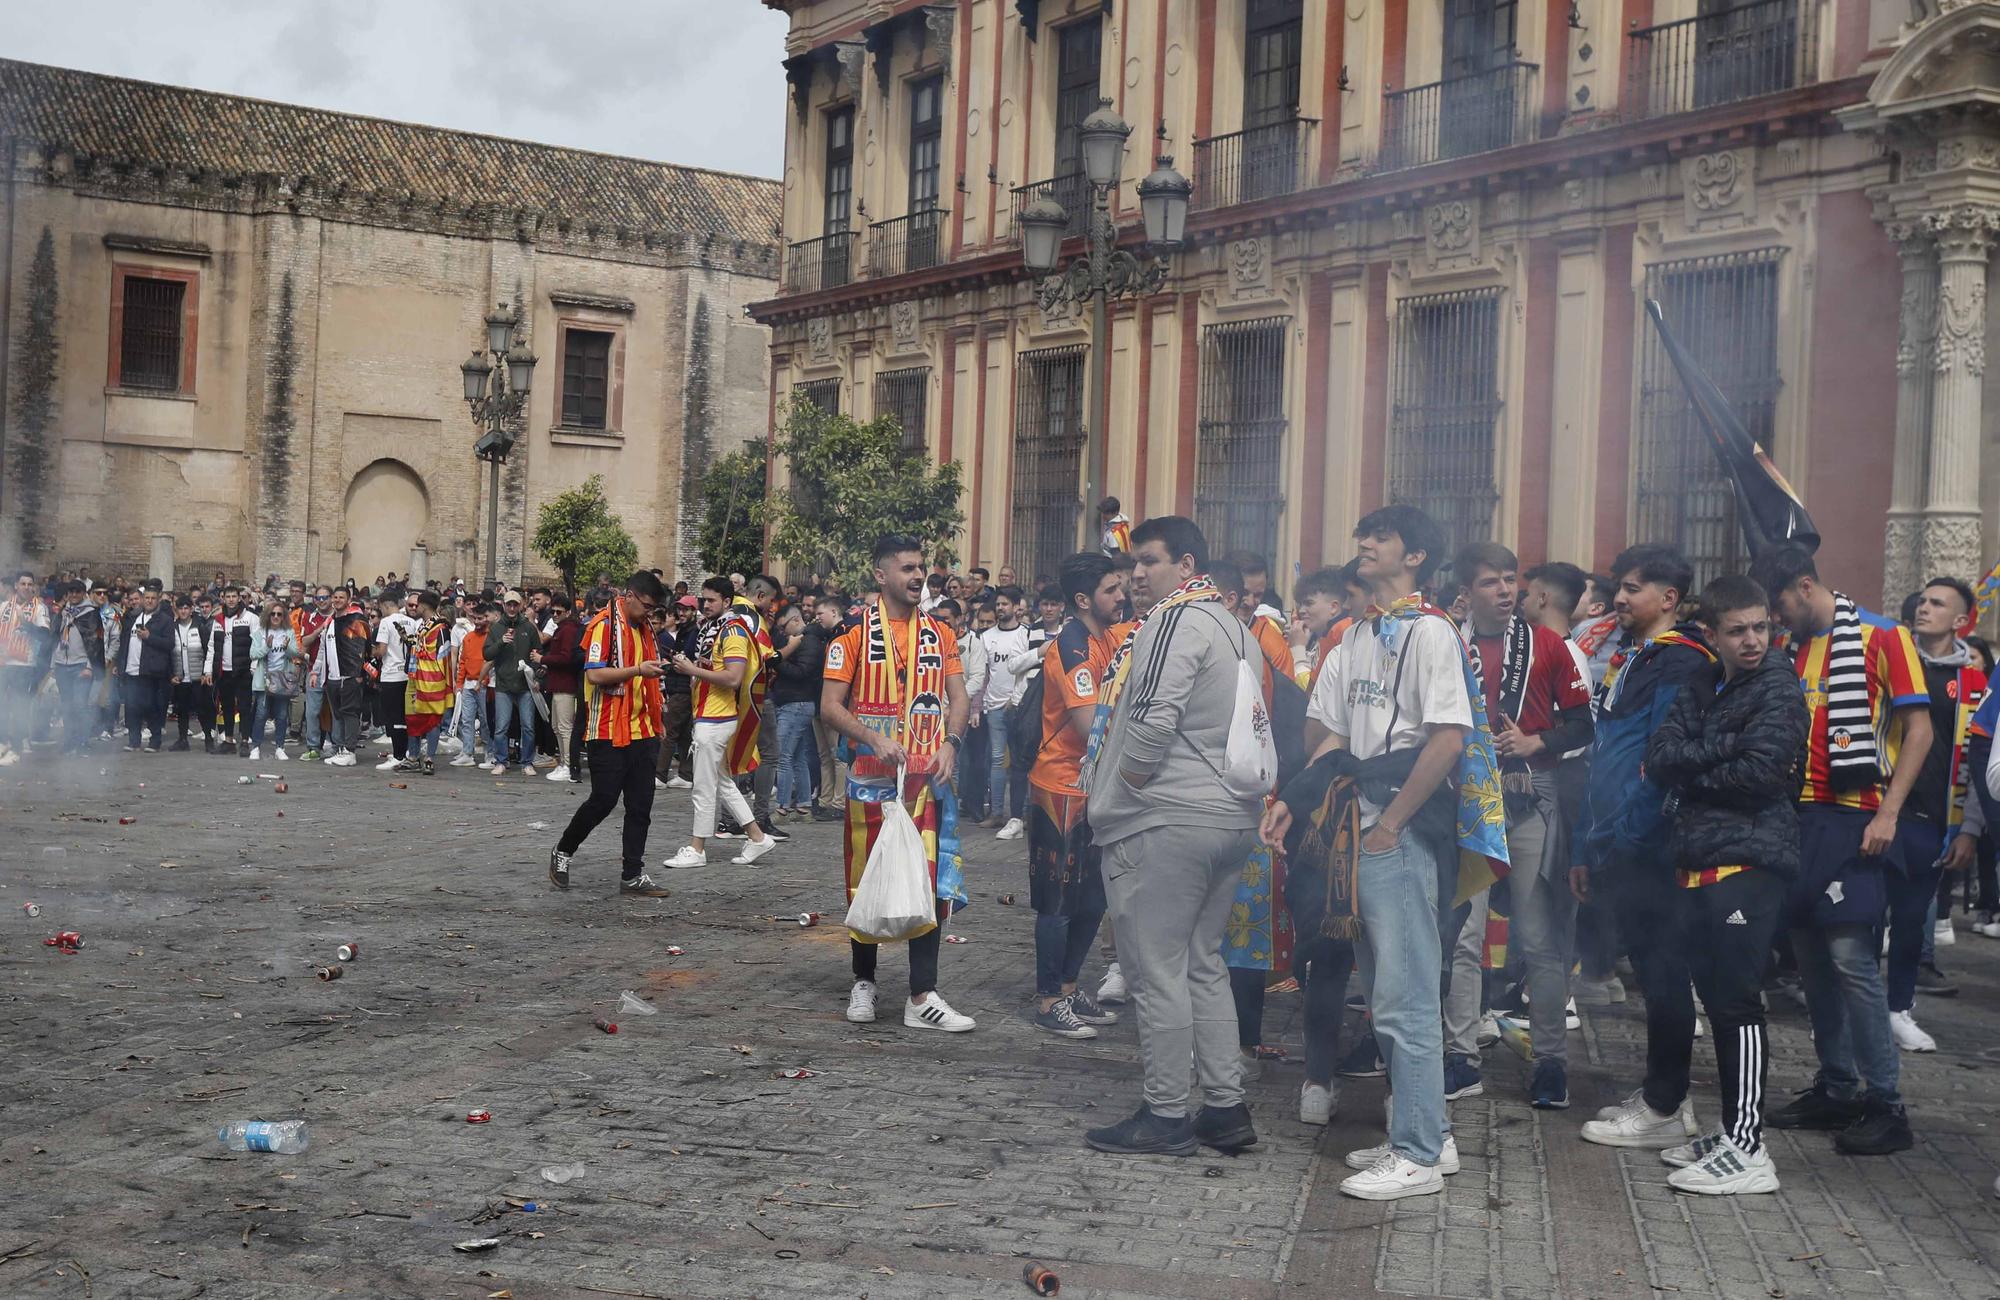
[
  {"x": 496, "y": 388},
  {"x": 1104, "y": 271}
]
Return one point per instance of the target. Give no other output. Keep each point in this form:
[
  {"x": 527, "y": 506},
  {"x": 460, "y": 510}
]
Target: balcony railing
[
  {"x": 909, "y": 243},
  {"x": 1259, "y": 163},
  {"x": 1072, "y": 191},
  {"x": 823, "y": 263},
  {"x": 1464, "y": 115},
  {"x": 1718, "y": 58}
]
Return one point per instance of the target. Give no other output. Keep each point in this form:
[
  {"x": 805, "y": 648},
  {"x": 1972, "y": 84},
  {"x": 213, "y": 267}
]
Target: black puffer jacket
[{"x": 1732, "y": 759}]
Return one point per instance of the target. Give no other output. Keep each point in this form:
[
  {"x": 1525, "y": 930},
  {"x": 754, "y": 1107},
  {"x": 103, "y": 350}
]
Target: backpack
[
  {"x": 1250, "y": 758},
  {"x": 1024, "y": 732}
]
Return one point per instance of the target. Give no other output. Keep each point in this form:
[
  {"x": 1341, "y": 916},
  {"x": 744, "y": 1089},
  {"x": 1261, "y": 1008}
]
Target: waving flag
[{"x": 1766, "y": 507}]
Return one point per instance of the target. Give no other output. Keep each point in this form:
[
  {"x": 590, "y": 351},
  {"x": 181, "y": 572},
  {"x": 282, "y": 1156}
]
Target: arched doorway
[{"x": 387, "y": 513}]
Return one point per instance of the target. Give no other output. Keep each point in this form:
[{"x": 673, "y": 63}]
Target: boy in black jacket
[{"x": 1729, "y": 753}]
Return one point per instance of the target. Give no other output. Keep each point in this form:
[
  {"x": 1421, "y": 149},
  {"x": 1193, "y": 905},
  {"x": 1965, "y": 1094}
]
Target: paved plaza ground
[{"x": 913, "y": 1164}]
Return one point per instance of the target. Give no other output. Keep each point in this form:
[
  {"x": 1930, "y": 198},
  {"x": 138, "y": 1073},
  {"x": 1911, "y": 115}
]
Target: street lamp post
[
  {"x": 497, "y": 378},
  {"x": 1104, "y": 271}
]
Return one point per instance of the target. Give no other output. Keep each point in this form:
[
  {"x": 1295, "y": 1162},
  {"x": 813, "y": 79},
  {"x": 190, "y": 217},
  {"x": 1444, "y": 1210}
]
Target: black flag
[{"x": 1766, "y": 506}]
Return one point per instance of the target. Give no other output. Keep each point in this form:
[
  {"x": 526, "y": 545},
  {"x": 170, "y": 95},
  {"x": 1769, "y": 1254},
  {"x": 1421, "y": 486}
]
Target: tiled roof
[{"x": 147, "y": 123}]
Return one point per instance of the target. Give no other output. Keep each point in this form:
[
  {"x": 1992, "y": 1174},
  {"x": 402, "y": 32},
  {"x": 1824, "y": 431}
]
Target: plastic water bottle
[{"x": 285, "y": 1136}]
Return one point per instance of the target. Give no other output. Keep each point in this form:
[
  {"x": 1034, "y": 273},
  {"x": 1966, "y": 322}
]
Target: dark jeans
[
  {"x": 193, "y": 704},
  {"x": 923, "y": 956},
  {"x": 1989, "y": 876},
  {"x": 77, "y": 713},
  {"x": 145, "y": 707},
  {"x": 1321, "y": 965},
  {"x": 1644, "y": 899},
  {"x": 1728, "y": 927},
  {"x": 232, "y": 704},
  {"x": 389, "y": 700},
  {"x": 1910, "y": 893},
  {"x": 618, "y": 772},
  {"x": 344, "y": 700},
  {"x": 1061, "y": 944},
  {"x": 972, "y": 764},
  {"x": 676, "y": 730},
  {"x": 1247, "y": 988}
]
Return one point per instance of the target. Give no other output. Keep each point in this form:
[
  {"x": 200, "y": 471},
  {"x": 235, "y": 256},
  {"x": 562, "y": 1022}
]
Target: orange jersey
[
  {"x": 1073, "y": 667},
  {"x": 896, "y": 672},
  {"x": 1895, "y": 680},
  {"x": 630, "y": 710}
]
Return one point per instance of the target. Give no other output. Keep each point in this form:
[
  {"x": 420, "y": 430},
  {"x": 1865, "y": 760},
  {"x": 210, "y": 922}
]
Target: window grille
[
  {"x": 586, "y": 377},
  {"x": 1048, "y": 457},
  {"x": 1442, "y": 426},
  {"x": 1724, "y": 311},
  {"x": 1272, "y": 41},
  {"x": 1239, "y": 465},
  {"x": 926, "y": 134},
  {"x": 904, "y": 394},
  {"x": 149, "y": 344},
  {"x": 839, "y": 170},
  {"x": 822, "y": 393},
  {"x": 1078, "y": 55}
]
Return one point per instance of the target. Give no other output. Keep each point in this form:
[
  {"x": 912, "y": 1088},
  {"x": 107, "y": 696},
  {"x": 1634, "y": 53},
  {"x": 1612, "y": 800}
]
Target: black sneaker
[
  {"x": 1089, "y": 1011},
  {"x": 771, "y": 830},
  {"x": 559, "y": 868},
  {"x": 242, "y": 749},
  {"x": 430, "y": 767},
  {"x": 1145, "y": 1134},
  {"x": 179, "y": 746},
  {"x": 1550, "y": 1089},
  {"x": 1226, "y": 1128},
  {"x": 828, "y": 814},
  {"x": 1060, "y": 1020},
  {"x": 208, "y": 744},
  {"x": 1935, "y": 982},
  {"x": 1362, "y": 1061},
  {"x": 1882, "y": 1130},
  {"x": 1815, "y": 1110},
  {"x": 642, "y": 886}
]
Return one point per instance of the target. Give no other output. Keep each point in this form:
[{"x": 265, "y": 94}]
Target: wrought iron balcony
[
  {"x": 1259, "y": 163},
  {"x": 1072, "y": 191},
  {"x": 1718, "y": 58},
  {"x": 1475, "y": 113},
  {"x": 909, "y": 243},
  {"x": 823, "y": 263}
]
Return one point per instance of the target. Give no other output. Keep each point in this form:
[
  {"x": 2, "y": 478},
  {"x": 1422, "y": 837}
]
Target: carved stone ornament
[
  {"x": 1249, "y": 267},
  {"x": 1451, "y": 231},
  {"x": 938, "y": 23},
  {"x": 1951, "y": 543},
  {"x": 853, "y": 59},
  {"x": 903, "y": 325},
  {"x": 1961, "y": 328},
  {"x": 819, "y": 338},
  {"x": 1718, "y": 184}
]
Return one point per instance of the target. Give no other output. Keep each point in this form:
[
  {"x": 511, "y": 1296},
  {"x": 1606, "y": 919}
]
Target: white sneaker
[
  {"x": 1571, "y": 1021},
  {"x": 498, "y": 769},
  {"x": 1991, "y": 929},
  {"x": 463, "y": 760},
  {"x": 658, "y": 784},
  {"x": 1636, "y": 1124},
  {"x": 451, "y": 744},
  {"x": 1943, "y": 936},
  {"x": 386, "y": 765},
  {"x": 1728, "y": 1171},
  {"x": 1369, "y": 1157},
  {"x": 1489, "y": 1030},
  {"x": 1391, "y": 1178},
  {"x": 282, "y": 756},
  {"x": 343, "y": 759},
  {"x": 1317, "y": 1104},
  {"x": 528, "y": 770},
  {"x": 8, "y": 757},
  {"x": 558, "y": 774},
  {"x": 935, "y": 1013},
  {"x": 1113, "y": 992},
  {"x": 753, "y": 850},
  {"x": 1694, "y": 1152},
  {"x": 679, "y": 783},
  {"x": 1910, "y": 1036},
  {"x": 1013, "y": 830},
  {"x": 689, "y": 856},
  {"x": 861, "y": 1002},
  {"x": 384, "y": 739},
  {"x": 256, "y": 752},
  {"x": 486, "y": 765},
  {"x": 1637, "y": 1097}
]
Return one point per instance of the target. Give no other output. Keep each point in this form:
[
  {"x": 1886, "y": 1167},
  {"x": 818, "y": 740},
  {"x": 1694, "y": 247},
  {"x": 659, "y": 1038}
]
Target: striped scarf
[
  {"x": 1852, "y": 757},
  {"x": 428, "y": 693},
  {"x": 1196, "y": 588},
  {"x": 629, "y": 644}
]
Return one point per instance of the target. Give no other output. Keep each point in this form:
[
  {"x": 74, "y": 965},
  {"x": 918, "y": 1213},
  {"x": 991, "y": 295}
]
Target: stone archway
[{"x": 387, "y": 513}]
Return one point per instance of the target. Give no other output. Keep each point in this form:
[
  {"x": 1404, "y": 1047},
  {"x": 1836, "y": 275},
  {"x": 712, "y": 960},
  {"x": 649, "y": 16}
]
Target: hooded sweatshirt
[{"x": 1956, "y": 688}]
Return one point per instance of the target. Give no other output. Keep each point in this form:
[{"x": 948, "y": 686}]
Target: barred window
[
  {"x": 1048, "y": 457},
  {"x": 1241, "y": 435},
  {"x": 586, "y": 378},
  {"x": 1724, "y": 311},
  {"x": 149, "y": 342},
  {"x": 904, "y": 394},
  {"x": 822, "y": 393},
  {"x": 1446, "y": 408}
]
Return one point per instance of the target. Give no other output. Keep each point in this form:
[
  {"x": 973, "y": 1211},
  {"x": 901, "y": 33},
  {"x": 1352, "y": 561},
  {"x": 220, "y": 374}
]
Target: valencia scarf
[
  {"x": 428, "y": 693},
  {"x": 1196, "y": 588},
  {"x": 1517, "y": 660},
  {"x": 628, "y": 645},
  {"x": 1852, "y": 758}
]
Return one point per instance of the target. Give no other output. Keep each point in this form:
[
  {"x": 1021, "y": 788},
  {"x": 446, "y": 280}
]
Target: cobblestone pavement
[{"x": 913, "y": 1165}]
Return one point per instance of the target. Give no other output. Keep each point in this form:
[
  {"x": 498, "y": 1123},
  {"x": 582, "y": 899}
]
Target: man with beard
[{"x": 229, "y": 669}]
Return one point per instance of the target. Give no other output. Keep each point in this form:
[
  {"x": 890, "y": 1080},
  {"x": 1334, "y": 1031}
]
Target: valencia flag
[{"x": 1766, "y": 506}]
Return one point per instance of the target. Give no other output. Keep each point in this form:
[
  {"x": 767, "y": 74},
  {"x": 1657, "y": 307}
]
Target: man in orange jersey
[
  {"x": 895, "y": 693},
  {"x": 725, "y": 666},
  {"x": 621, "y": 674}
]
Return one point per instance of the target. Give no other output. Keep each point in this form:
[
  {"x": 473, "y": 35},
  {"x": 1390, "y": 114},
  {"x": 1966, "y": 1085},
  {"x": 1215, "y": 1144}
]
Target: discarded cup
[
  {"x": 348, "y": 951},
  {"x": 608, "y": 1026},
  {"x": 330, "y": 972},
  {"x": 808, "y": 919},
  {"x": 956, "y": 938},
  {"x": 798, "y": 1073},
  {"x": 675, "y": 950},
  {"x": 243, "y": 780},
  {"x": 32, "y": 909},
  {"x": 633, "y": 1005},
  {"x": 478, "y": 1116},
  {"x": 560, "y": 1174}
]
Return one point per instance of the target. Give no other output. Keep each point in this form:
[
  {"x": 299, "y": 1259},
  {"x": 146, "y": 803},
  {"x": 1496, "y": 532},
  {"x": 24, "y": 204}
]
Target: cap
[
  {"x": 688, "y": 602},
  {"x": 513, "y": 596}
]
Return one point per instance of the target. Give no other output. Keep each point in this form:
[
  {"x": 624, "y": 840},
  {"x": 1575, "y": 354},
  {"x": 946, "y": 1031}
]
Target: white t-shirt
[
  {"x": 1006, "y": 654},
  {"x": 393, "y": 636},
  {"x": 1352, "y": 697},
  {"x": 135, "y": 645}
]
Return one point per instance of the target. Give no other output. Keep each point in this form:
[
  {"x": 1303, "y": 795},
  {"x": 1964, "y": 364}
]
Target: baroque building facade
[
  {"x": 231, "y": 332},
  {"x": 1423, "y": 237}
]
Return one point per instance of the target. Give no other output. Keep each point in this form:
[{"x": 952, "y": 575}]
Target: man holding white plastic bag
[
  {"x": 895, "y": 695},
  {"x": 1174, "y": 803}
]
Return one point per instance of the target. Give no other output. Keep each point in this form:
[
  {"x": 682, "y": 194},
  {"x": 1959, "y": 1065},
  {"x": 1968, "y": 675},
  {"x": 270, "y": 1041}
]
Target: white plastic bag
[
  {"x": 895, "y": 899},
  {"x": 1250, "y": 764}
]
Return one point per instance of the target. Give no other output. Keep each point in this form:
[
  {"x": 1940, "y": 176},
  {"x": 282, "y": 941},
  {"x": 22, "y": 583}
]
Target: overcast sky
[{"x": 684, "y": 81}]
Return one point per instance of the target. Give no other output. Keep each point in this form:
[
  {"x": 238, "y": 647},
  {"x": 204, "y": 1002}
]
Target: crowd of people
[{"x": 1490, "y": 794}]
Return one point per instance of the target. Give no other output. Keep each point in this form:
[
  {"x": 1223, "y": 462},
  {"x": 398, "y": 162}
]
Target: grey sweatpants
[{"x": 1170, "y": 891}]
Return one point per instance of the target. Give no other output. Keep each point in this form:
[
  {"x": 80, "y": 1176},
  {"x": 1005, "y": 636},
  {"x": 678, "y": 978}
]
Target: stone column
[
  {"x": 161, "y": 563},
  {"x": 420, "y": 567},
  {"x": 1950, "y": 525},
  {"x": 1915, "y": 341}
]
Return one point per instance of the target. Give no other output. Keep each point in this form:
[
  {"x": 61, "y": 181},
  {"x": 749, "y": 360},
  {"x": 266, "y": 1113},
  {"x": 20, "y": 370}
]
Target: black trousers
[
  {"x": 194, "y": 703},
  {"x": 1321, "y": 965},
  {"x": 923, "y": 957},
  {"x": 1728, "y": 927},
  {"x": 617, "y": 773},
  {"x": 232, "y": 704},
  {"x": 391, "y": 699},
  {"x": 1645, "y": 901}
]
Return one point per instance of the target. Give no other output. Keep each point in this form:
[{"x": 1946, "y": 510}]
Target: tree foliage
[
  {"x": 577, "y": 532},
  {"x": 850, "y": 483},
  {"x": 731, "y": 536}
]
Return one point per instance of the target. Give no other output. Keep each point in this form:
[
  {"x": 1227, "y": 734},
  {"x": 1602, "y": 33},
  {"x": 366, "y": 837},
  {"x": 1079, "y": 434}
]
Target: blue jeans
[
  {"x": 315, "y": 698},
  {"x": 507, "y": 705},
  {"x": 470, "y": 717},
  {"x": 1000, "y": 799},
  {"x": 1912, "y": 908},
  {"x": 798, "y": 753},
  {"x": 276, "y": 709},
  {"x": 76, "y": 704},
  {"x": 1850, "y": 1012},
  {"x": 1399, "y": 956}
]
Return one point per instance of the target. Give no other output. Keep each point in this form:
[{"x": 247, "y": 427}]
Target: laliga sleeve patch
[
  {"x": 1084, "y": 686},
  {"x": 836, "y": 656}
]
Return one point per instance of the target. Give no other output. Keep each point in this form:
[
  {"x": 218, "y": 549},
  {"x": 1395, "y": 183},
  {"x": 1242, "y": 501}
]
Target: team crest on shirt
[
  {"x": 926, "y": 723},
  {"x": 836, "y": 656}
]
